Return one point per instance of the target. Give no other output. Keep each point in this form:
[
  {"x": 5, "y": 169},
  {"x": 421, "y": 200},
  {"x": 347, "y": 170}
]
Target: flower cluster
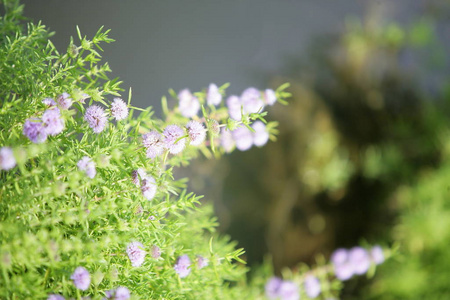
[
  {"x": 136, "y": 253},
  {"x": 241, "y": 134},
  {"x": 243, "y": 138},
  {"x": 260, "y": 134},
  {"x": 51, "y": 122},
  {"x": 49, "y": 102},
  {"x": 121, "y": 293},
  {"x": 196, "y": 132},
  {"x": 7, "y": 159},
  {"x": 251, "y": 101},
  {"x": 344, "y": 264},
  {"x": 276, "y": 288},
  {"x": 213, "y": 95},
  {"x": 119, "y": 109},
  {"x": 182, "y": 266},
  {"x": 34, "y": 130},
  {"x": 173, "y": 139},
  {"x": 355, "y": 261},
  {"x": 96, "y": 116},
  {"x": 81, "y": 278},
  {"x": 189, "y": 105},
  {"x": 153, "y": 142},
  {"x": 149, "y": 187},
  {"x": 64, "y": 101},
  {"x": 146, "y": 182},
  {"x": 312, "y": 286},
  {"x": 88, "y": 166}
]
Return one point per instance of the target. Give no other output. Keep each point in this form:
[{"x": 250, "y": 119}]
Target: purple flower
[
  {"x": 55, "y": 297},
  {"x": 213, "y": 96},
  {"x": 49, "y": 102},
  {"x": 226, "y": 140},
  {"x": 173, "y": 139},
  {"x": 136, "y": 253},
  {"x": 288, "y": 291},
  {"x": 119, "y": 109},
  {"x": 360, "y": 260},
  {"x": 52, "y": 122},
  {"x": 182, "y": 266},
  {"x": 347, "y": 263},
  {"x": 121, "y": 293},
  {"x": 87, "y": 165},
  {"x": 154, "y": 143},
  {"x": 280, "y": 289},
  {"x": 270, "y": 98},
  {"x": 260, "y": 136},
  {"x": 312, "y": 286},
  {"x": 243, "y": 138},
  {"x": 81, "y": 278},
  {"x": 339, "y": 256},
  {"x": 7, "y": 159},
  {"x": 376, "y": 254},
  {"x": 64, "y": 101},
  {"x": 148, "y": 187},
  {"x": 251, "y": 100},
  {"x": 201, "y": 262},
  {"x": 234, "y": 107},
  {"x": 96, "y": 118},
  {"x": 156, "y": 252},
  {"x": 344, "y": 271},
  {"x": 343, "y": 268},
  {"x": 34, "y": 130},
  {"x": 189, "y": 105},
  {"x": 272, "y": 287},
  {"x": 196, "y": 132}
]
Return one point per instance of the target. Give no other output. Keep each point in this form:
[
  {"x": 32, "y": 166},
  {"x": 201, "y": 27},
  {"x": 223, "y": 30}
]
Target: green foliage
[
  {"x": 417, "y": 167},
  {"x": 362, "y": 154},
  {"x": 54, "y": 218},
  {"x": 423, "y": 231}
]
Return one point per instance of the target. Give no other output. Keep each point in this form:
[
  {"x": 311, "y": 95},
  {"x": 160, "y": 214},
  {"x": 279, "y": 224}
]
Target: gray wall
[{"x": 177, "y": 44}]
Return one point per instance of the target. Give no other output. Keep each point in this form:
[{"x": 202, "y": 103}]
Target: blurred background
[{"x": 363, "y": 150}]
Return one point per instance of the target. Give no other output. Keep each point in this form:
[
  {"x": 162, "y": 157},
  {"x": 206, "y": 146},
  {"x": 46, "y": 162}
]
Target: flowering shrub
[{"x": 90, "y": 206}]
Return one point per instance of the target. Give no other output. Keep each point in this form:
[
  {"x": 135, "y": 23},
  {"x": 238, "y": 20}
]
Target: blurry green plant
[
  {"x": 421, "y": 228},
  {"x": 416, "y": 167},
  {"x": 367, "y": 121}
]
